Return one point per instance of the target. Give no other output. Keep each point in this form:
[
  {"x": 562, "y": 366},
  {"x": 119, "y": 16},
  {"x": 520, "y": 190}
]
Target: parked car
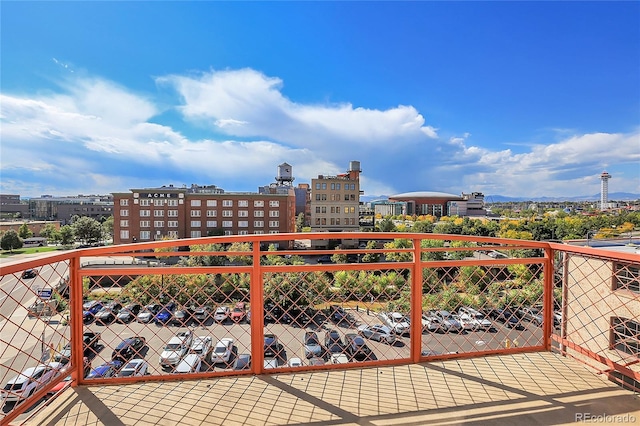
[
  {"x": 221, "y": 314},
  {"x": 533, "y": 315},
  {"x": 177, "y": 347},
  {"x": 203, "y": 346},
  {"x": 65, "y": 383},
  {"x": 477, "y": 319},
  {"x": 128, "y": 313},
  {"x": 339, "y": 359},
  {"x": 271, "y": 363},
  {"x": 448, "y": 323},
  {"x": 295, "y": 362},
  {"x": 183, "y": 317},
  {"x": 396, "y": 321},
  {"x": 90, "y": 309},
  {"x": 378, "y": 332},
  {"x": 272, "y": 348},
  {"x": 191, "y": 363},
  {"x": 557, "y": 318},
  {"x": 333, "y": 342},
  {"x": 466, "y": 323},
  {"x": 90, "y": 343},
  {"x": 325, "y": 259},
  {"x": 202, "y": 314},
  {"x": 166, "y": 314},
  {"x": 506, "y": 316},
  {"x": 135, "y": 367},
  {"x": 431, "y": 323},
  {"x": 129, "y": 348},
  {"x": 108, "y": 313},
  {"x": 312, "y": 345},
  {"x": 316, "y": 360},
  {"x": 148, "y": 313},
  {"x": 243, "y": 362},
  {"x": 29, "y": 274},
  {"x": 108, "y": 369},
  {"x": 223, "y": 351},
  {"x": 337, "y": 314},
  {"x": 238, "y": 314},
  {"x": 29, "y": 382},
  {"x": 357, "y": 348}
]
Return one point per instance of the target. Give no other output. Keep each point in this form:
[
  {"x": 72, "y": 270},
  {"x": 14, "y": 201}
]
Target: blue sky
[{"x": 511, "y": 98}]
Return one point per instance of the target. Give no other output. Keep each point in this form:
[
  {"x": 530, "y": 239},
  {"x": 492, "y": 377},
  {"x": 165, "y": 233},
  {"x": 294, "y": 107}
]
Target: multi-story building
[
  {"x": 62, "y": 209},
  {"x": 12, "y": 207},
  {"x": 170, "y": 212},
  {"x": 335, "y": 201}
]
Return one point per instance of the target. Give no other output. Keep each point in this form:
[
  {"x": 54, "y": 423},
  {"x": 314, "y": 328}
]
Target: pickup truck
[{"x": 90, "y": 344}]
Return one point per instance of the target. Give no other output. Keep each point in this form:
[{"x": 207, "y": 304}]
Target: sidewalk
[{"x": 524, "y": 389}]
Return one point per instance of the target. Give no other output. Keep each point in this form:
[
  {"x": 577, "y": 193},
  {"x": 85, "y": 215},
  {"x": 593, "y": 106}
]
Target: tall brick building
[{"x": 198, "y": 211}]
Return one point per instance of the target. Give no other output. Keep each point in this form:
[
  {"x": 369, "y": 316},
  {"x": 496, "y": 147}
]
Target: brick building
[{"x": 199, "y": 211}]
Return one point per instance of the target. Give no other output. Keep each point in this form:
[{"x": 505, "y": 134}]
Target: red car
[{"x": 238, "y": 313}]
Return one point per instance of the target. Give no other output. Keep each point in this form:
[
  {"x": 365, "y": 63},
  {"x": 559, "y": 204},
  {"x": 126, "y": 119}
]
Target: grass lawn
[{"x": 29, "y": 250}]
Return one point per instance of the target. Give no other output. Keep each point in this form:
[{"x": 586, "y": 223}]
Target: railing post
[
  {"x": 547, "y": 298},
  {"x": 75, "y": 320},
  {"x": 256, "y": 304},
  {"x": 416, "y": 302}
]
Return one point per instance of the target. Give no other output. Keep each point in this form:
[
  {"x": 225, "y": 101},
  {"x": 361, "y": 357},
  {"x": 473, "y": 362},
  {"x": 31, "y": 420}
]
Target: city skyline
[{"x": 516, "y": 99}]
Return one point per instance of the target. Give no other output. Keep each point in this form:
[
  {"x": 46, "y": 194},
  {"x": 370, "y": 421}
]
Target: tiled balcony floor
[{"x": 535, "y": 388}]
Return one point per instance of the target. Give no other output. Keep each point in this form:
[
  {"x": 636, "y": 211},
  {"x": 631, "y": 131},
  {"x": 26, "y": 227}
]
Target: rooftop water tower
[
  {"x": 604, "y": 190},
  {"x": 285, "y": 175}
]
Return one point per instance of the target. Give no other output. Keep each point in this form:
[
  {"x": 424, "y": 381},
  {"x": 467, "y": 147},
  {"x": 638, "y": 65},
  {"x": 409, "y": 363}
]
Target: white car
[
  {"x": 191, "y": 363},
  {"x": 203, "y": 346},
  {"x": 176, "y": 349},
  {"x": 448, "y": 322},
  {"x": 222, "y": 314},
  {"x": 339, "y": 359},
  {"x": 396, "y": 321},
  {"x": 477, "y": 319},
  {"x": 465, "y": 322},
  {"x": 295, "y": 362},
  {"x": 29, "y": 381},
  {"x": 135, "y": 367},
  {"x": 222, "y": 351}
]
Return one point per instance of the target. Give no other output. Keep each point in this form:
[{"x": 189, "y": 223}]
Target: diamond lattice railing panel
[{"x": 482, "y": 308}]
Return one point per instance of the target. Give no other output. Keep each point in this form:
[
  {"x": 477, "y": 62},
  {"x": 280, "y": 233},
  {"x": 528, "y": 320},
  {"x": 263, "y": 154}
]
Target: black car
[
  {"x": 295, "y": 317},
  {"x": 357, "y": 348},
  {"x": 325, "y": 259},
  {"x": 129, "y": 313},
  {"x": 29, "y": 273},
  {"x": 337, "y": 314},
  {"x": 509, "y": 318},
  {"x": 333, "y": 342},
  {"x": 129, "y": 348},
  {"x": 90, "y": 344},
  {"x": 272, "y": 348}
]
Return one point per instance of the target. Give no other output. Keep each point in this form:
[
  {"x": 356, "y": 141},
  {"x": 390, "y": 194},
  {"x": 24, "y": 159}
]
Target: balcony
[{"x": 409, "y": 348}]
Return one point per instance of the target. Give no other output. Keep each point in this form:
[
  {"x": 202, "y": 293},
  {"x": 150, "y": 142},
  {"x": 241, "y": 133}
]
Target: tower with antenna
[{"x": 604, "y": 190}]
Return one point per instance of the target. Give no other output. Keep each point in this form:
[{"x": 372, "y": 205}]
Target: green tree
[
  {"x": 48, "y": 231},
  {"x": 87, "y": 229},
  {"x": 24, "y": 231},
  {"x": 300, "y": 222},
  {"x": 432, "y": 255},
  {"x": 107, "y": 228},
  {"x": 385, "y": 225},
  {"x": 399, "y": 256},
  {"x": 422, "y": 226},
  {"x": 10, "y": 240},
  {"x": 242, "y": 259},
  {"x": 66, "y": 235}
]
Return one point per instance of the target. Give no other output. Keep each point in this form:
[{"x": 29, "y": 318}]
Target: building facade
[
  {"x": 99, "y": 207},
  {"x": 172, "y": 213},
  {"x": 427, "y": 202}
]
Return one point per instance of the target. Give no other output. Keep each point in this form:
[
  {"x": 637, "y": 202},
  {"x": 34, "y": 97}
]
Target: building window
[
  {"x": 274, "y": 203},
  {"x": 124, "y": 234},
  {"x": 626, "y": 276},
  {"x": 625, "y": 336},
  {"x": 324, "y": 209},
  {"x": 346, "y": 210},
  {"x": 196, "y": 224},
  {"x": 228, "y": 232},
  {"x": 227, "y": 203},
  {"x": 243, "y": 203},
  {"x": 338, "y": 186},
  {"x": 124, "y": 212},
  {"x": 323, "y": 197},
  {"x": 124, "y": 223},
  {"x": 324, "y": 186},
  {"x": 346, "y": 197},
  {"x": 195, "y": 213},
  {"x": 333, "y": 186},
  {"x": 317, "y": 197},
  {"x": 145, "y": 223},
  {"x": 243, "y": 224},
  {"x": 212, "y": 224},
  {"x": 145, "y": 213},
  {"x": 317, "y": 185},
  {"x": 258, "y": 203},
  {"x": 227, "y": 224},
  {"x": 196, "y": 234},
  {"x": 195, "y": 203},
  {"x": 172, "y": 234},
  {"x": 258, "y": 232},
  {"x": 158, "y": 203},
  {"x": 145, "y": 235},
  {"x": 227, "y": 213},
  {"x": 333, "y": 221},
  {"x": 212, "y": 213},
  {"x": 317, "y": 221},
  {"x": 124, "y": 202},
  {"x": 337, "y": 221},
  {"x": 158, "y": 224},
  {"x": 274, "y": 213},
  {"x": 212, "y": 203},
  {"x": 258, "y": 213},
  {"x": 145, "y": 203},
  {"x": 243, "y": 213},
  {"x": 172, "y": 224},
  {"x": 158, "y": 213},
  {"x": 318, "y": 209},
  {"x": 274, "y": 223},
  {"x": 172, "y": 203},
  {"x": 258, "y": 223},
  {"x": 172, "y": 213},
  {"x": 274, "y": 232},
  {"x": 243, "y": 232}
]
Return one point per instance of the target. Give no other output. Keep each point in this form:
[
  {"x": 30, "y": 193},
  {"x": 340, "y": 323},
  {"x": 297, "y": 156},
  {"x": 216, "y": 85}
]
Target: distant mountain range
[{"x": 613, "y": 196}]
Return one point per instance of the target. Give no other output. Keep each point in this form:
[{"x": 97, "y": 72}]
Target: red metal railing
[{"x": 423, "y": 289}]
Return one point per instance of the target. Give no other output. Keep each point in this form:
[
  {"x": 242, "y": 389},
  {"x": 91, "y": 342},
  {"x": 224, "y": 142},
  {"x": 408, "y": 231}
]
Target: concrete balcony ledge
[{"x": 541, "y": 388}]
